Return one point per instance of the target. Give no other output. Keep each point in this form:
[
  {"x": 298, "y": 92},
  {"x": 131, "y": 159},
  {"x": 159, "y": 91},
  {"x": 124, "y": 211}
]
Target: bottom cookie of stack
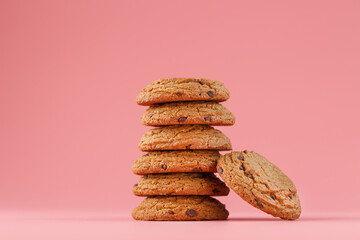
[{"x": 180, "y": 208}]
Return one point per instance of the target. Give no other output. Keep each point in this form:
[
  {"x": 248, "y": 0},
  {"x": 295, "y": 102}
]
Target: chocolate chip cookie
[
  {"x": 182, "y": 137},
  {"x": 211, "y": 113},
  {"x": 176, "y": 161},
  {"x": 182, "y": 89},
  {"x": 180, "y": 184},
  {"x": 180, "y": 208},
  {"x": 260, "y": 183}
]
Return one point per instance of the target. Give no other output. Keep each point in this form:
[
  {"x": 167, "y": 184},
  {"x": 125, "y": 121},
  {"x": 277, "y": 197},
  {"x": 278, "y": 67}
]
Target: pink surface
[
  {"x": 70, "y": 72},
  {"x": 109, "y": 226}
]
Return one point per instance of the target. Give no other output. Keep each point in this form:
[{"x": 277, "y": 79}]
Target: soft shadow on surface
[
  {"x": 301, "y": 219},
  {"x": 231, "y": 219},
  {"x": 237, "y": 219},
  {"x": 249, "y": 219}
]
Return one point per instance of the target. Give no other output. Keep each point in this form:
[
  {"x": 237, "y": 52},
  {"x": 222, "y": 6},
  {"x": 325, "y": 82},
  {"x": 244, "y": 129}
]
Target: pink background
[{"x": 70, "y": 72}]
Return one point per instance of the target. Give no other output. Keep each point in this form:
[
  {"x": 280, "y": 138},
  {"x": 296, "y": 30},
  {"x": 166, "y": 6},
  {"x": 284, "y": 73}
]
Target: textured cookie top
[
  {"x": 176, "y": 161},
  {"x": 180, "y": 184},
  {"x": 182, "y": 89},
  {"x": 260, "y": 183},
  {"x": 180, "y": 208},
  {"x": 211, "y": 113},
  {"x": 181, "y": 137}
]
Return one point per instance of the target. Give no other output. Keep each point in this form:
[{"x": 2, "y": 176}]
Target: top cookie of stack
[{"x": 182, "y": 89}]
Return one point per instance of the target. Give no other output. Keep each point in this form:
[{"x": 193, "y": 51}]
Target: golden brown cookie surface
[
  {"x": 180, "y": 208},
  {"x": 182, "y": 89},
  {"x": 182, "y": 137},
  {"x": 210, "y": 113},
  {"x": 180, "y": 184},
  {"x": 260, "y": 183},
  {"x": 176, "y": 161}
]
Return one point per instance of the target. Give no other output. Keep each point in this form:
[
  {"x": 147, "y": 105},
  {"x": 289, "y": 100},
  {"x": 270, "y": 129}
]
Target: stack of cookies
[
  {"x": 183, "y": 149},
  {"x": 183, "y": 154}
]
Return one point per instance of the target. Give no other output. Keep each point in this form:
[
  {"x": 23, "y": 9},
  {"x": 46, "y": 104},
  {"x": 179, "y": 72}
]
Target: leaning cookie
[
  {"x": 180, "y": 184},
  {"x": 260, "y": 183},
  {"x": 176, "y": 161},
  {"x": 180, "y": 208},
  {"x": 211, "y": 113},
  {"x": 182, "y": 137},
  {"x": 182, "y": 89}
]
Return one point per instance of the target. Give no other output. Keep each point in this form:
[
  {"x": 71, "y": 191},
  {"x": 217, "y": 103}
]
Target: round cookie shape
[
  {"x": 182, "y": 137},
  {"x": 176, "y": 161},
  {"x": 182, "y": 89},
  {"x": 180, "y": 208},
  {"x": 180, "y": 184},
  {"x": 260, "y": 183},
  {"x": 211, "y": 113}
]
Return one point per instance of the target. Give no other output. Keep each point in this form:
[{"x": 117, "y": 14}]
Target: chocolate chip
[
  {"x": 164, "y": 166},
  {"x": 207, "y": 119},
  {"x": 258, "y": 203},
  {"x": 211, "y": 94},
  {"x": 250, "y": 176},
  {"x": 272, "y": 196},
  {"x": 202, "y": 175},
  {"x": 179, "y": 94},
  {"x": 245, "y": 151},
  {"x": 188, "y": 146},
  {"x": 242, "y": 168},
  {"x": 294, "y": 194},
  {"x": 182, "y": 119},
  {"x": 150, "y": 116},
  {"x": 171, "y": 212},
  {"x": 198, "y": 169},
  {"x": 220, "y": 170},
  {"x": 200, "y": 83},
  {"x": 215, "y": 191},
  {"x": 290, "y": 196},
  {"x": 240, "y": 158},
  {"x": 191, "y": 212},
  {"x": 135, "y": 185}
]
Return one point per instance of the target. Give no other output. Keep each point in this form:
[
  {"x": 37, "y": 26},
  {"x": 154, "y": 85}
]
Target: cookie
[
  {"x": 180, "y": 208},
  {"x": 211, "y": 113},
  {"x": 182, "y": 89},
  {"x": 176, "y": 161},
  {"x": 180, "y": 184},
  {"x": 181, "y": 137},
  {"x": 260, "y": 183}
]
